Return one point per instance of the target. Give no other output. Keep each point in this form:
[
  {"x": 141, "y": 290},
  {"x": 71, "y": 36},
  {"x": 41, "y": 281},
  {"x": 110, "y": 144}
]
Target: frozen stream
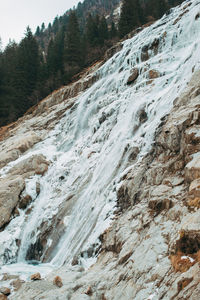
[{"x": 87, "y": 147}]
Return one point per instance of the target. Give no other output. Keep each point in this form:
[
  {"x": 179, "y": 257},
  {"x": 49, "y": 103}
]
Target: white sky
[{"x": 16, "y": 15}]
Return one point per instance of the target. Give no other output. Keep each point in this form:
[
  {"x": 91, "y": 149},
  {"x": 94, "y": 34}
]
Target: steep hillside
[{"x": 100, "y": 181}]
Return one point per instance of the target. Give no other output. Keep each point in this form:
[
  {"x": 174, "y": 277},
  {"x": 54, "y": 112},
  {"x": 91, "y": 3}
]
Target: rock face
[{"x": 155, "y": 239}]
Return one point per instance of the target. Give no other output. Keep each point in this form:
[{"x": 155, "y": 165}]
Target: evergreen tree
[
  {"x": 130, "y": 16},
  {"x": 156, "y": 8},
  {"x": 103, "y": 30},
  {"x": 113, "y": 31},
  {"x": 92, "y": 30},
  {"x": 27, "y": 68},
  {"x": 42, "y": 27},
  {"x": 73, "y": 42},
  {"x": 37, "y": 33}
]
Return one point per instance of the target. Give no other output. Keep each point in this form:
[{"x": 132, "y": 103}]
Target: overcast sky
[{"x": 16, "y": 15}]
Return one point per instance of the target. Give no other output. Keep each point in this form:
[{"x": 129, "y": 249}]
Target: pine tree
[
  {"x": 156, "y": 8},
  {"x": 103, "y": 30},
  {"x": 73, "y": 42},
  {"x": 92, "y": 30},
  {"x": 27, "y": 68},
  {"x": 130, "y": 16},
  {"x": 113, "y": 31},
  {"x": 37, "y": 33}
]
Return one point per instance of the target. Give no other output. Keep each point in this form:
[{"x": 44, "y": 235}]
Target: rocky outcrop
[
  {"x": 13, "y": 184},
  {"x": 10, "y": 190},
  {"x": 17, "y": 145}
]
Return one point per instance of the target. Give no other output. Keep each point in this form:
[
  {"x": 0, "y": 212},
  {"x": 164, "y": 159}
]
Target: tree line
[{"x": 30, "y": 71}]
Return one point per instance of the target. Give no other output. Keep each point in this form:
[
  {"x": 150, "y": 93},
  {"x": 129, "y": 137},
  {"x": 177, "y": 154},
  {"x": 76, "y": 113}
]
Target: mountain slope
[{"x": 101, "y": 149}]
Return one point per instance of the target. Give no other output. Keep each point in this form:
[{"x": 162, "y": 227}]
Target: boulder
[
  {"x": 25, "y": 201},
  {"x": 36, "y": 164},
  {"x": 58, "y": 281},
  {"x": 3, "y": 297},
  {"x": 10, "y": 190},
  {"x": 153, "y": 74},
  {"x": 17, "y": 145},
  {"x": 134, "y": 75},
  {"x": 4, "y": 290},
  {"x": 36, "y": 276}
]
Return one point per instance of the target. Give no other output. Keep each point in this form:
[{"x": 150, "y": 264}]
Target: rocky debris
[
  {"x": 4, "y": 290},
  {"x": 58, "y": 281},
  {"x": 134, "y": 75},
  {"x": 35, "y": 276}
]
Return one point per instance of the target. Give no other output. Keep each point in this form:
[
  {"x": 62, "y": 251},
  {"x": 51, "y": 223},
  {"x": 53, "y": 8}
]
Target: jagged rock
[
  {"x": 36, "y": 276},
  {"x": 58, "y": 281},
  {"x": 6, "y": 291},
  {"x": 134, "y": 75}
]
